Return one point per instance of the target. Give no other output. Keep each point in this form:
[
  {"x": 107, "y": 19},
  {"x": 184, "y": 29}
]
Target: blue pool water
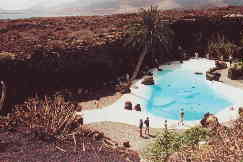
[{"x": 182, "y": 89}]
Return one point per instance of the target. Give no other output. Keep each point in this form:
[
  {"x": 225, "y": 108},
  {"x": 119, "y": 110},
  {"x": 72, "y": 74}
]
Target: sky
[{"x": 25, "y": 4}]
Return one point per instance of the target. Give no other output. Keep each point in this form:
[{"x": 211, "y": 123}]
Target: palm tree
[{"x": 149, "y": 35}]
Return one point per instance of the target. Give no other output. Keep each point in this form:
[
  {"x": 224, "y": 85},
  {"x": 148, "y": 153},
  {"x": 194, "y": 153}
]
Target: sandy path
[{"x": 121, "y": 132}]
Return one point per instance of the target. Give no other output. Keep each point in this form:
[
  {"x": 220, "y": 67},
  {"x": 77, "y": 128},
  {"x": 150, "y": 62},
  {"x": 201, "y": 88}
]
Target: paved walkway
[{"x": 121, "y": 132}]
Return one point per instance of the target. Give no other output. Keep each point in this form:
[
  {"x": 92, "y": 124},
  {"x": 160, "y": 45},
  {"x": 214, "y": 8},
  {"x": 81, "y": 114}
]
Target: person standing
[
  {"x": 182, "y": 114},
  {"x": 141, "y": 127},
  {"x": 146, "y": 122},
  {"x": 207, "y": 56},
  {"x": 166, "y": 125},
  {"x": 230, "y": 60},
  {"x": 196, "y": 55}
]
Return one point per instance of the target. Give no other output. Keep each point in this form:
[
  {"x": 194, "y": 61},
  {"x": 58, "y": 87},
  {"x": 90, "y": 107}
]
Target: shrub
[
  {"x": 165, "y": 144},
  {"x": 170, "y": 141},
  {"x": 219, "y": 46},
  {"x": 54, "y": 118},
  {"x": 194, "y": 135}
]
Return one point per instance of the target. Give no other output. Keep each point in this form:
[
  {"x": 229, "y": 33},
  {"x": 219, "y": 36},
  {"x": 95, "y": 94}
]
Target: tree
[{"x": 148, "y": 35}]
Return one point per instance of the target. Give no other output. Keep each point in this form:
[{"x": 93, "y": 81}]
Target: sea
[{"x": 25, "y": 15}]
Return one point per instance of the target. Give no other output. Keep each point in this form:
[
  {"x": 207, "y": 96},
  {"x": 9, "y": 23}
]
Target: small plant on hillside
[
  {"x": 241, "y": 38},
  {"x": 218, "y": 46}
]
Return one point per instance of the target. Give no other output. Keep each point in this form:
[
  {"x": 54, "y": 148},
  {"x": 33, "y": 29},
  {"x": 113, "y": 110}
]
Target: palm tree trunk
[
  {"x": 139, "y": 64},
  {"x": 3, "y": 95}
]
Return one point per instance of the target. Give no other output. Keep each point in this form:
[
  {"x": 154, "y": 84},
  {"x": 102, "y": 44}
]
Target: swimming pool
[{"x": 177, "y": 89}]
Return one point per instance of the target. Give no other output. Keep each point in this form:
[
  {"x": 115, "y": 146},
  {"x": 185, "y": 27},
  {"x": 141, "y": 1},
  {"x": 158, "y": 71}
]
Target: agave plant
[
  {"x": 148, "y": 35},
  {"x": 53, "y": 117}
]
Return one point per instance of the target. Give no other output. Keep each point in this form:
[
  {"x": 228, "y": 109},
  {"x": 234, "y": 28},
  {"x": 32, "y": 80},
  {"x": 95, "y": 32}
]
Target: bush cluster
[{"x": 170, "y": 141}]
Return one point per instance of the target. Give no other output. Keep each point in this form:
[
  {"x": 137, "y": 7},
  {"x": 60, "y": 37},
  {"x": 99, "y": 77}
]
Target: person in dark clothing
[
  {"x": 146, "y": 122},
  {"x": 182, "y": 114},
  {"x": 230, "y": 59},
  {"x": 141, "y": 127}
]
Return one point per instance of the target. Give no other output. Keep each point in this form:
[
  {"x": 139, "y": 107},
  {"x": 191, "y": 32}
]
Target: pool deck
[{"x": 141, "y": 93}]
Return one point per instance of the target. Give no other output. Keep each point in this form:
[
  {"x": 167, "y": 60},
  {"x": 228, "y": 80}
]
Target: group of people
[{"x": 146, "y": 122}]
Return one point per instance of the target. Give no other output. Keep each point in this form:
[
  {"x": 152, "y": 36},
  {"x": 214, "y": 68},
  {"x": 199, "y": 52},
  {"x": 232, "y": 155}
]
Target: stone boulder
[
  {"x": 128, "y": 105},
  {"x": 125, "y": 90},
  {"x": 159, "y": 69},
  {"x": 235, "y": 72},
  {"x": 220, "y": 64},
  {"x": 138, "y": 107},
  {"x": 240, "y": 111},
  {"x": 148, "y": 80},
  {"x": 126, "y": 144},
  {"x": 213, "y": 76}
]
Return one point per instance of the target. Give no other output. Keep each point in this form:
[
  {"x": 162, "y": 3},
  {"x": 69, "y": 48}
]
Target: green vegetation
[
  {"x": 166, "y": 144},
  {"x": 194, "y": 135},
  {"x": 148, "y": 36},
  {"x": 219, "y": 143},
  {"x": 218, "y": 46},
  {"x": 170, "y": 141}
]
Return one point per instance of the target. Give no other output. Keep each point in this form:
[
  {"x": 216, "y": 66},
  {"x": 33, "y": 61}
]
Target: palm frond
[{"x": 149, "y": 34}]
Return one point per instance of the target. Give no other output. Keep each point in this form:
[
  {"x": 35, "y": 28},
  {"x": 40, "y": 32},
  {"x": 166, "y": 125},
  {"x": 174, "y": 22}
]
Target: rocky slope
[{"x": 24, "y": 144}]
